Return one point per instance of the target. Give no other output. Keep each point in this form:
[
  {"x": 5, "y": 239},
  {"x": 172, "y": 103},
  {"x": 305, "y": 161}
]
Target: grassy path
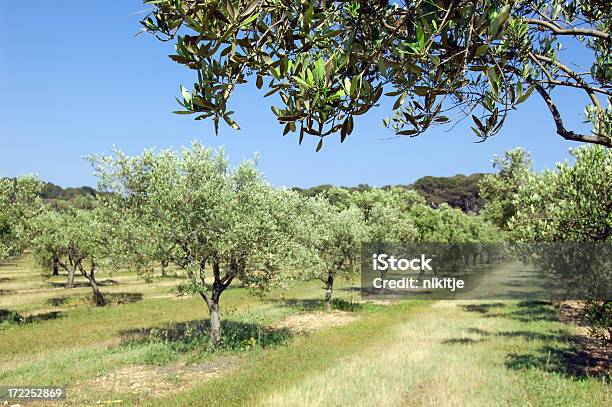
[
  {"x": 427, "y": 353},
  {"x": 448, "y": 353}
]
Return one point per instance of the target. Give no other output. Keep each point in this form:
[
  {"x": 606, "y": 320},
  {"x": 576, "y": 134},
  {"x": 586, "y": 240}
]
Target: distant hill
[
  {"x": 52, "y": 191},
  {"x": 59, "y": 197},
  {"x": 459, "y": 191}
]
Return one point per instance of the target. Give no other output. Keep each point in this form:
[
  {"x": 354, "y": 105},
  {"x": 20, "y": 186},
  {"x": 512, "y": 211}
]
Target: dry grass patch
[
  {"x": 157, "y": 381},
  {"x": 310, "y": 322}
]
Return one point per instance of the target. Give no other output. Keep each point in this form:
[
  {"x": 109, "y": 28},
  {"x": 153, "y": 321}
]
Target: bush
[
  {"x": 10, "y": 317},
  {"x": 346, "y": 305},
  {"x": 195, "y": 336},
  {"x": 599, "y": 317}
]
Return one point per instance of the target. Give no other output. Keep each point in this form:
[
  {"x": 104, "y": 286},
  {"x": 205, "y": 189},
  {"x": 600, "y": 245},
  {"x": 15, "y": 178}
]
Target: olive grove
[{"x": 572, "y": 204}]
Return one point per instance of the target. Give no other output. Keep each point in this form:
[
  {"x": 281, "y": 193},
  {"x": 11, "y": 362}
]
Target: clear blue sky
[{"x": 75, "y": 80}]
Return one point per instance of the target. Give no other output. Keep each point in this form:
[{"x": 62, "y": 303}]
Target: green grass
[
  {"x": 425, "y": 354},
  {"x": 421, "y": 353}
]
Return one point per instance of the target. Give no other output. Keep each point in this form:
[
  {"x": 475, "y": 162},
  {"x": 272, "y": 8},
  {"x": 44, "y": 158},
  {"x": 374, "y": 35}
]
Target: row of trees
[
  {"x": 221, "y": 224},
  {"x": 572, "y": 204}
]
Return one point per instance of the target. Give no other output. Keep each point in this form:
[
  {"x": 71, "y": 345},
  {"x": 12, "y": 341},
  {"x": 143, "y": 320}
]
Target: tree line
[
  {"x": 571, "y": 204},
  {"x": 219, "y": 224},
  {"x": 458, "y": 191},
  {"x": 223, "y": 225}
]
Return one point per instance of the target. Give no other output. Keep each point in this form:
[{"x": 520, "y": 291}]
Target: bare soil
[{"x": 310, "y": 322}]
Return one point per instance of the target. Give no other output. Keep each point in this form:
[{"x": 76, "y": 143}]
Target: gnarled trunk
[
  {"x": 329, "y": 292},
  {"x": 215, "y": 324},
  {"x": 164, "y": 268},
  {"x": 212, "y": 301},
  {"x": 55, "y": 266},
  {"x": 71, "y": 268},
  {"x": 98, "y": 297},
  {"x": 70, "y": 281}
]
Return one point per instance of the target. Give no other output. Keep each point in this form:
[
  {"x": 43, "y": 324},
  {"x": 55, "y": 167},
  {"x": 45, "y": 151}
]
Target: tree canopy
[
  {"x": 80, "y": 241},
  {"x": 440, "y": 61},
  {"x": 570, "y": 208},
  {"x": 19, "y": 202},
  {"x": 218, "y": 223}
]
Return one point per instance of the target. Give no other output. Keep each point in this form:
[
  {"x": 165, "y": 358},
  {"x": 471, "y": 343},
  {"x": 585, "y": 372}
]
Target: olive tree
[
  {"x": 499, "y": 189},
  {"x": 337, "y": 235},
  {"x": 220, "y": 223},
  {"x": 19, "y": 203},
  {"x": 330, "y": 61},
  {"x": 572, "y": 204},
  {"x": 79, "y": 240}
]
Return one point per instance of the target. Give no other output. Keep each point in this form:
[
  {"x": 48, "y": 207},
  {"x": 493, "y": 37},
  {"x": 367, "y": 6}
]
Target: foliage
[
  {"x": 330, "y": 61},
  {"x": 573, "y": 204},
  {"x": 459, "y": 191},
  {"x": 18, "y": 205},
  {"x": 80, "y": 241},
  {"x": 207, "y": 214},
  {"x": 599, "y": 318},
  {"x": 499, "y": 190}
]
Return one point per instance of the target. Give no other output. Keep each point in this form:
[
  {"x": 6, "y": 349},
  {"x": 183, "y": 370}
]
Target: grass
[{"x": 421, "y": 353}]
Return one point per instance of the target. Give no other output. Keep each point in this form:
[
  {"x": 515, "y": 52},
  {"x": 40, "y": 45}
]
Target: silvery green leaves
[
  {"x": 19, "y": 204},
  {"x": 201, "y": 211},
  {"x": 329, "y": 61}
]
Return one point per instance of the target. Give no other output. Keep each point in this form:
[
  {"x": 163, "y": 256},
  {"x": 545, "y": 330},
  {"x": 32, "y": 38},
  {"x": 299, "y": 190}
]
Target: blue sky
[{"x": 75, "y": 80}]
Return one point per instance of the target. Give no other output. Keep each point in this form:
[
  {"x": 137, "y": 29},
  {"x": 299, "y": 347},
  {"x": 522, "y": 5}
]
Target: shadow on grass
[
  {"x": 14, "y": 318},
  {"x": 568, "y": 362},
  {"x": 338, "y": 304},
  {"x": 195, "y": 335},
  {"x": 560, "y": 352},
  {"x": 556, "y": 336},
  {"x": 349, "y": 289},
  {"x": 82, "y": 284},
  {"x": 122, "y": 298},
  {"x": 478, "y": 331},
  {"x": 462, "y": 341},
  {"x": 86, "y": 299},
  {"x": 530, "y": 311},
  {"x": 527, "y": 311},
  {"x": 536, "y": 336},
  {"x": 482, "y": 308}
]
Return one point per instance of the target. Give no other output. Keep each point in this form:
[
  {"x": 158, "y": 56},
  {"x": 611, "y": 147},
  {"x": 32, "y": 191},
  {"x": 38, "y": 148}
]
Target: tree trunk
[
  {"x": 329, "y": 292},
  {"x": 164, "y": 268},
  {"x": 215, "y": 324},
  {"x": 70, "y": 282},
  {"x": 55, "y": 266},
  {"x": 98, "y": 297}
]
